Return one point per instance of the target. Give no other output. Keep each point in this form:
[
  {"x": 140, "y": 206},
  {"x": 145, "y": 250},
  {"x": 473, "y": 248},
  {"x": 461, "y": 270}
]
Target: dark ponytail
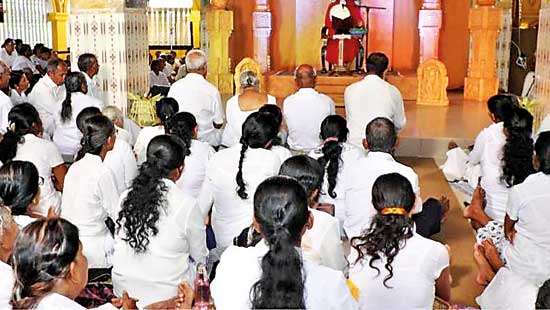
[
  {"x": 96, "y": 131},
  {"x": 19, "y": 185},
  {"x": 22, "y": 119},
  {"x": 166, "y": 108},
  {"x": 308, "y": 172},
  {"x": 182, "y": 125},
  {"x": 542, "y": 149},
  {"x": 43, "y": 253},
  {"x": 393, "y": 198},
  {"x": 280, "y": 209},
  {"x": 257, "y": 131},
  {"x": 142, "y": 207},
  {"x": 517, "y": 160},
  {"x": 73, "y": 84},
  {"x": 334, "y": 131}
]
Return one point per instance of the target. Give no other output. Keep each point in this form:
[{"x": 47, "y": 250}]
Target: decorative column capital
[
  {"x": 431, "y": 5},
  {"x": 60, "y": 6},
  {"x": 262, "y": 5}
]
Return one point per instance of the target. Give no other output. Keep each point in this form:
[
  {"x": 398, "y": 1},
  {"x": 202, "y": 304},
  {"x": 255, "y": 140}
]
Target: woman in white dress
[
  {"x": 23, "y": 141},
  {"x": 393, "y": 266},
  {"x": 19, "y": 190},
  {"x": 333, "y": 155},
  {"x": 514, "y": 281},
  {"x": 165, "y": 109},
  {"x": 66, "y": 135},
  {"x": 160, "y": 229},
  {"x": 19, "y": 84},
  {"x": 240, "y": 106},
  {"x": 90, "y": 194},
  {"x": 184, "y": 125},
  {"x": 273, "y": 274},
  {"x": 234, "y": 173},
  {"x": 8, "y": 234}
]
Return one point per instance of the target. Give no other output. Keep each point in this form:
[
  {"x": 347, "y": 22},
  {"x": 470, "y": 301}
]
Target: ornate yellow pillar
[
  {"x": 59, "y": 18},
  {"x": 195, "y": 16},
  {"x": 430, "y": 19},
  {"x": 261, "y": 26},
  {"x": 542, "y": 85},
  {"x": 219, "y": 24},
  {"x": 485, "y": 24}
]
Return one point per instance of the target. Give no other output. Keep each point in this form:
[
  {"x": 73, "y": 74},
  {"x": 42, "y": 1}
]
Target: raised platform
[{"x": 280, "y": 84}]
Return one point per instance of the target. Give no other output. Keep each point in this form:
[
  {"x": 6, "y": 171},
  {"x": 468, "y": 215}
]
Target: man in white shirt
[
  {"x": 200, "y": 98},
  {"x": 89, "y": 66},
  {"x": 156, "y": 76},
  {"x": 358, "y": 180},
  {"x": 5, "y": 101},
  {"x": 373, "y": 97},
  {"x": 8, "y": 53},
  {"x": 305, "y": 110},
  {"x": 48, "y": 92}
]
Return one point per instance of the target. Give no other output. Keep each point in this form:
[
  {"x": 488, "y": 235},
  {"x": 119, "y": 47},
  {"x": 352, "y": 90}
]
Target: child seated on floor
[{"x": 515, "y": 277}]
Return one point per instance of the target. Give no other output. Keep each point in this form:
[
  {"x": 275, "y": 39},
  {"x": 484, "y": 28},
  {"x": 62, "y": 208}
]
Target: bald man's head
[{"x": 305, "y": 76}]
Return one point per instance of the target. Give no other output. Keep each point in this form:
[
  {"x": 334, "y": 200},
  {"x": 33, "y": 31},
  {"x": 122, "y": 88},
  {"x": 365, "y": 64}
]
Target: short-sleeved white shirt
[
  {"x": 6, "y": 285},
  {"x": 230, "y": 213},
  {"x": 416, "y": 268},
  {"x": 46, "y": 97},
  {"x": 155, "y": 275},
  {"x": 194, "y": 170},
  {"x": 350, "y": 154},
  {"x": 368, "y": 99},
  {"x": 304, "y": 112},
  {"x": 145, "y": 136},
  {"x": 8, "y": 59},
  {"x": 122, "y": 162},
  {"x": 22, "y": 62},
  {"x": 528, "y": 204},
  {"x": 158, "y": 80},
  {"x": 488, "y": 153},
  {"x": 66, "y": 135},
  {"x": 240, "y": 268},
  {"x": 235, "y": 119},
  {"x": 89, "y": 197},
  {"x": 17, "y": 98},
  {"x": 45, "y": 156},
  {"x": 197, "y": 96},
  {"x": 358, "y": 181}
]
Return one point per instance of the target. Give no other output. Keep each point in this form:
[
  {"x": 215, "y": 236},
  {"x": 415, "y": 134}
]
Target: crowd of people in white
[{"x": 288, "y": 208}]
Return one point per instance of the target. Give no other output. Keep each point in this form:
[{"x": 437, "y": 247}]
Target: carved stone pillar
[
  {"x": 219, "y": 24},
  {"x": 116, "y": 32},
  {"x": 429, "y": 24},
  {"x": 59, "y": 18},
  {"x": 504, "y": 44},
  {"x": 485, "y": 23},
  {"x": 542, "y": 88},
  {"x": 261, "y": 26}
]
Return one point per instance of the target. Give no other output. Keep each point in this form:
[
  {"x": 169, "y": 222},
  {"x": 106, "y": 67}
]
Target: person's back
[
  {"x": 122, "y": 163},
  {"x": 372, "y": 97},
  {"x": 196, "y": 164}
]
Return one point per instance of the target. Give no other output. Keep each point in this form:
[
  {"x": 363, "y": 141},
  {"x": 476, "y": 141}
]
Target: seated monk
[{"x": 341, "y": 17}]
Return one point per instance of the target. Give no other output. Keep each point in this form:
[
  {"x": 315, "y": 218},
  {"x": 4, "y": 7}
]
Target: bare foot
[
  {"x": 492, "y": 255},
  {"x": 452, "y": 145},
  {"x": 446, "y": 206},
  {"x": 485, "y": 271},
  {"x": 475, "y": 211}
]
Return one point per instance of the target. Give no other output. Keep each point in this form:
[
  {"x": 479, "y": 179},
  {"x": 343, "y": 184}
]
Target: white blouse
[
  {"x": 89, "y": 197},
  {"x": 194, "y": 170},
  {"x": 155, "y": 275},
  {"x": 350, "y": 154},
  {"x": 45, "y": 156},
  {"x": 145, "y": 136},
  {"x": 240, "y": 268},
  {"x": 6, "y": 285},
  {"x": 66, "y": 135},
  {"x": 231, "y": 214},
  {"x": 122, "y": 162},
  {"x": 235, "y": 119},
  {"x": 17, "y": 98},
  {"x": 58, "y": 301},
  {"x": 416, "y": 267}
]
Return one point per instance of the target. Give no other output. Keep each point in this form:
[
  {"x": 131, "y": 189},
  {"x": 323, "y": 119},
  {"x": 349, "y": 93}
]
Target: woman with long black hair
[
  {"x": 165, "y": 109},
  {"x": 273, "y": 274},
  {"x": 394, "y": 267},
  {"x": 90, "y": 196},
  {"x": 66, "y": 135},
  {"x": 23, "y": 141},
  {"x": 184, "y": 125},
  {"x": 159, "y": 228},
  {"x": 233, "y": 175},
  {"x": 333, "y": 154},
  {"x": 19, "y": 84}
]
